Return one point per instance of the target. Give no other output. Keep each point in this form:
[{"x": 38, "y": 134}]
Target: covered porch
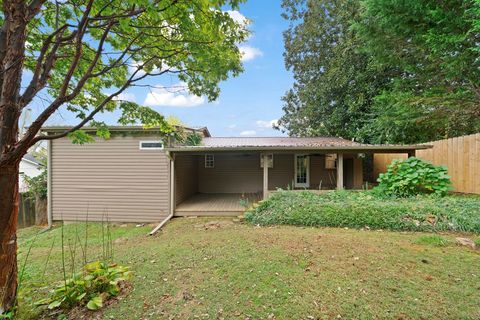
[
  {"x": 226, "y": 183},
  {"x": 223, "y": 176}
]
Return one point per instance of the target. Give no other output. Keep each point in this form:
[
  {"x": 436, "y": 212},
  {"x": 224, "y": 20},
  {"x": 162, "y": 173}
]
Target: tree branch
[
  {"x": 99, "y": 108},
  {"x": 39, "y": 79}
]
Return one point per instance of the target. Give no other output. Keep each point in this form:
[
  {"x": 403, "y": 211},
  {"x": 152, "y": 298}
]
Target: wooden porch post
[
  {"x": 339, "y": 171},
  {"x": 265, "y": 176}
]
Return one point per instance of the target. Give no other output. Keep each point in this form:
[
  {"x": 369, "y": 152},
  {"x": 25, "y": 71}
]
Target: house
[
  {"x": 138, "y": 175},
  {"x": 30, "y": 167}
]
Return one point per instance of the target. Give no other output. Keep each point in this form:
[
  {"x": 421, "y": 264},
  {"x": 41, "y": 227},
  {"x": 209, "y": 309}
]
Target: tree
[
  {"x": 434, "y": 45},
  {"x": 383, "y": 71},
  {"x": 334, "y": 82},
  {"x": 80, "y": 56}
]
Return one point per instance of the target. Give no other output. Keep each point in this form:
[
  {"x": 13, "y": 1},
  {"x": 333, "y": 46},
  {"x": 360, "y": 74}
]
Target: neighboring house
[
  {"x": 135, "y": 176},
  {"x": 31, "y": 167}
]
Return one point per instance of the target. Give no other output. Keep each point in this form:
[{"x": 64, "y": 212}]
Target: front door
[{"x": 302, "y": 171}]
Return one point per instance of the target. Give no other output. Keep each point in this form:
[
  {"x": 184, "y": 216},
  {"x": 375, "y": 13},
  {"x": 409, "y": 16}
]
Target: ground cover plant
[
  {"x": 368, "y": 209},
  {"x": 213, "y": 269},
  {"x": 97, "y": 282}
]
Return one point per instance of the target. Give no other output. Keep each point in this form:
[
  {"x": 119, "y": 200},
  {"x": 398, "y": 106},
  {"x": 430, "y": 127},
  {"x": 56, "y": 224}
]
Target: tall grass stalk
[
  {"x": 48, "y": 258},
  {"x": 63, "y": 255},
  {"x": 86, "y": 236},
  {"x": 22, "y": 272}
]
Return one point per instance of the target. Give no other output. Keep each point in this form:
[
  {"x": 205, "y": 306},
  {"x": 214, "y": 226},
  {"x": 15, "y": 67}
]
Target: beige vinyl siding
[
  {"x": 186, "y": 177},
  {"x": 241, "y": 173},
  {"x": 233, "y": 173},
  {"x": 109, "y": 177},
  {"x": 282, "y": 173},
  {"x": 318, "y": 174}
]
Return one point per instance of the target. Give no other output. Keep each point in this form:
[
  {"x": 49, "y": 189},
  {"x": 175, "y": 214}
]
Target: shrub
[
  {"x": 413, "y": 176},
  {"x": 360, "y": 209},
  {"x": 97, "y": 282}
]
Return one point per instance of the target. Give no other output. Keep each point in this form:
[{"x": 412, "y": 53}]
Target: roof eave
[
  {"x": 56, "y": 129},
  {"x": 377, "y": 148}
]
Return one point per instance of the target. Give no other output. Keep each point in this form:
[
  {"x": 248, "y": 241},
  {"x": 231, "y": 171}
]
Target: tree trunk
[{"x": 8, "y": 237}]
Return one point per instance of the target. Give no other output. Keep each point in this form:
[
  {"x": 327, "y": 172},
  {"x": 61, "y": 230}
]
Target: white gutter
[
  {"x": 49, "y": 183},
  {"x": 172, "y": 195}
]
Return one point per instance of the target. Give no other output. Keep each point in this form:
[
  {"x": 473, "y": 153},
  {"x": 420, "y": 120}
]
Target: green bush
[
  {"x": 97, "y": 282},
  {"x": 413, "y": 176},
  {"x": 360, "y": 209}
]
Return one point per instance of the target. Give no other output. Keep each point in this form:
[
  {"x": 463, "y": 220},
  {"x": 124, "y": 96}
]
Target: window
[
  {"x": 151, "y": 145},
  {"x": 331, "y": 161},
  {"x": 209, "y": 161},
  {"x": 270, "y": 160}
]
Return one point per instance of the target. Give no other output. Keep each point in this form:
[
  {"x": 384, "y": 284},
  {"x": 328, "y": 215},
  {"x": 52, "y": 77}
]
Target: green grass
[
  {"x": 192, "y": 270},
  {"x": 368, "y": 210},
  {"x": 477, "y": 242},
  {"x": 434, "y": 240}
]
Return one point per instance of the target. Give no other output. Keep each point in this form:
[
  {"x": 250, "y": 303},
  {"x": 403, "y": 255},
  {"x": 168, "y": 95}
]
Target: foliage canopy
[{"x": 383, "y": 70}]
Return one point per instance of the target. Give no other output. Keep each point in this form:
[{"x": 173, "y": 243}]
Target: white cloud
[
  {"x": 238, "y": 17},
  {"x": 125, "y": 96},
  {"x": 175, "y": 96},
  {"x": 267, "y": 124},
  {"x": 248, "y": 133},
  {"x": 232, "y": 126},
  {"x": 249, "y": 53}
]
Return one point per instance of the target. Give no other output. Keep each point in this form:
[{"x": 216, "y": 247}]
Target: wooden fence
[
  {"x": 460, "y": 155},
  {"x": 26, "y": 211}
]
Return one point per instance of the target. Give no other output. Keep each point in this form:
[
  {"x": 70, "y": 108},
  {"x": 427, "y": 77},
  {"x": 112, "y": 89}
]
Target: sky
[{"x": 248, "y": 104}]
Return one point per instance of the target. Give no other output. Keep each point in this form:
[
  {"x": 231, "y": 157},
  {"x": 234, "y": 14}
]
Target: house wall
[
  {"x": 186, "y": 177},
  {"x": 241, "y": 173},
  {"x": 27, "y": 169},
  {"x": 233, "y": 173},
  {"x": 112, "y": 177}
]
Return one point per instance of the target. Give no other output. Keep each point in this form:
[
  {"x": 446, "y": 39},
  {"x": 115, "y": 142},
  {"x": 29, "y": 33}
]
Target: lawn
[{"x": 209, "y": 268}]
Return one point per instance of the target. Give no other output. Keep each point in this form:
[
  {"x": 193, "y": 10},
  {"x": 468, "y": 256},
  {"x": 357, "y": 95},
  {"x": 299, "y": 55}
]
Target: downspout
[
  {"x": 172, "y": 195},
  {"x": 49, "y": 184}
]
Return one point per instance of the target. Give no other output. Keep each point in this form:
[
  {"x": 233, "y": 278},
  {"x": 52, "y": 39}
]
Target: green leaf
[
  {"x": 55, "y": 304},
  {"x": 95, "y": 303}
]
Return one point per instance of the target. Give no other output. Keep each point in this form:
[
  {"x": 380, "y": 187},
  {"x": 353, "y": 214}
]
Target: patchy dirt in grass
[{"x": 214, "y": 268}]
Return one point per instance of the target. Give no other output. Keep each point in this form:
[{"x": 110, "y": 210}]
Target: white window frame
[
  {"x": 140, "y": 143},
  {"x": 212, "y": 161},
  {"x": 307, "y": 183},
  {"x": 270, "y": 159}
]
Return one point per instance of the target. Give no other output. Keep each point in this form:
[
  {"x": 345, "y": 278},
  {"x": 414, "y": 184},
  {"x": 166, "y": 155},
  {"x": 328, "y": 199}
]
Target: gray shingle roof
[{"x": 232, "y": 142}]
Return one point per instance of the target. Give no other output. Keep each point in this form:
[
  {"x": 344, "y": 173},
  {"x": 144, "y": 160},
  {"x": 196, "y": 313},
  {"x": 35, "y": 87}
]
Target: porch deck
[{"x": 215, "y": 204}]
